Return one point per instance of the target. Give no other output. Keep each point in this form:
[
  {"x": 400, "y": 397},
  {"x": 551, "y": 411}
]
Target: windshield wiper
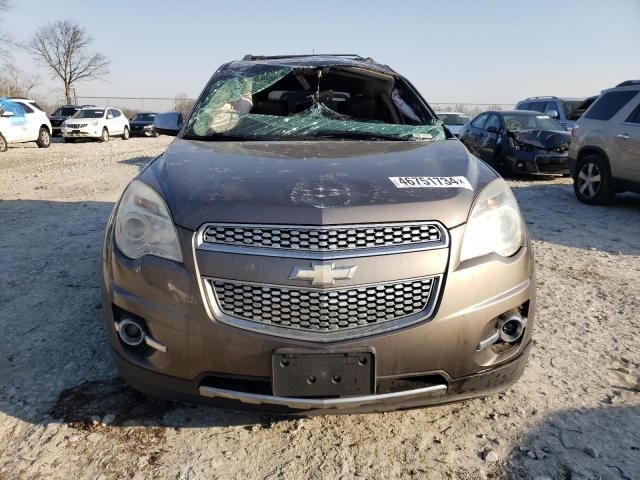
[{"x": 364, "y": 135}]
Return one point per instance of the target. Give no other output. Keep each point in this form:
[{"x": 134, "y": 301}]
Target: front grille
[
  {"x": 322, "y": 239},
  {"x": 76, "y": 125},
  {"x": 323, "y": 311}
]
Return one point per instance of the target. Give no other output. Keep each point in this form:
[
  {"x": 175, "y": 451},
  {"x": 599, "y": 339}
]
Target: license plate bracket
[{"x": 303, "y": 373}]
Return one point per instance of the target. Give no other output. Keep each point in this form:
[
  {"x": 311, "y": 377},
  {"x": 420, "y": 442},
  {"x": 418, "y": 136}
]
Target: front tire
[
  {"x": 44, "y": 138},
  {"x": 126, "y": 134},
  {"x": 3, "y": 144},
  {"x": 593, "y": 183},
  {"x": 502, "y": 164},
  {"x": 105, "y": 135}
]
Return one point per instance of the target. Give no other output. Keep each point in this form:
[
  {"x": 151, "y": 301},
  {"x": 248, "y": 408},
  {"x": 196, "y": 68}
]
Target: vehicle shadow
[
  {"x": 139, "y": 162},
  {"x": 554, "y": 215},
  {"x": 55, "y": 362},
  {"x": 581, "y": 444}
]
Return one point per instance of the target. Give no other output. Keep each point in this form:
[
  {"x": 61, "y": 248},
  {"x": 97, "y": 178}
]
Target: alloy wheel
[
  {"x": 44, "y": 137},
  {"x": 589, "y": 180}
]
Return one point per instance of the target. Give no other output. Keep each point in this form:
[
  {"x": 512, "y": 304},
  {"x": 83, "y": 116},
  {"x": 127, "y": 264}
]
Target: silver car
[{"x": 604, "y": 154}]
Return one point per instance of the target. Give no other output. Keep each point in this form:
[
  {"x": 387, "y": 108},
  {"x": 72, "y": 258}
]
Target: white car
[
  {"x": 454, "y": 121},
  {"x": 98, "y": 123},
  {"x": 23, "y": 121}
]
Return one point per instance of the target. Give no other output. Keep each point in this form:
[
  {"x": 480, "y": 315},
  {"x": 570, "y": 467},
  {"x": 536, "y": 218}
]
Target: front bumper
[
  {"x": 141, "y": 132},
  {"x": 86, "y": 132},
  {"x": 486, "y": 382},
  {"x": 441, "y": 349},
  {"x": 540, "y": 162}
]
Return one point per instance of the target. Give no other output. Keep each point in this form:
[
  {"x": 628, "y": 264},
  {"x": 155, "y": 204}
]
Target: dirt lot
[{"x": 574, "y": 415}]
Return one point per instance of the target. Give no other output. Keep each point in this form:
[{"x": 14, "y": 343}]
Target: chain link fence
[
  {"x": 469, "y": 109},
  {"x": 132, "y": 105}
]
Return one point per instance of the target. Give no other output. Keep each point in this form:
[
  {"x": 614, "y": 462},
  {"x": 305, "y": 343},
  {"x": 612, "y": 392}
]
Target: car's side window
[
  {"x": 15, "y": 108},
  {"x": 493, "y": 121},
  {"x": 551, "y": 106},
  {"x": 116, "y": 113},
  {"x": 26, "y": 107},
  {"x": 635, "y": 116},
  {"x": 607, "y": 105},
  {"x": 524, "y": 106},
  {"x": 480, "y": 120}
]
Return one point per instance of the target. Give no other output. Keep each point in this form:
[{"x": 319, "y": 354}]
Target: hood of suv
[{"x": 313, "y": 183}]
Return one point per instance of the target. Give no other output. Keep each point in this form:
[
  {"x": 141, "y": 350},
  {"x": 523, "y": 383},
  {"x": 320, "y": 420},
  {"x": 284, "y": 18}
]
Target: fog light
[{"x": 509, "y": 329}]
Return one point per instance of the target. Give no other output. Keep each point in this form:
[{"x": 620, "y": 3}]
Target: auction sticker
[{"x": 431, "y": 182}]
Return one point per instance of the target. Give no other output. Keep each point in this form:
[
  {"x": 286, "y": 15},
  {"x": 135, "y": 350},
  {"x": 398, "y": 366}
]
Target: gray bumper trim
[{"x": 327, "y": 403}]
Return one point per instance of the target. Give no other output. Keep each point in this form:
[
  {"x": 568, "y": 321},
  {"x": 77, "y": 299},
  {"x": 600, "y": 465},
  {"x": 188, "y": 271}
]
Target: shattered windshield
[
  {"x": 262, "y": 101},
  {"x": 518, "y": 121}
]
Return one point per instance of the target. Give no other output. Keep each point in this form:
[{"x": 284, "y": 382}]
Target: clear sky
[{"x": 453, "y": 51}]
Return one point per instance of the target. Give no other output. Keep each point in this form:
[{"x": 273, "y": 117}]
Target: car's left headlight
[
  {"x": 494, "y": 225},
  {"x": 144, "y": 225}
]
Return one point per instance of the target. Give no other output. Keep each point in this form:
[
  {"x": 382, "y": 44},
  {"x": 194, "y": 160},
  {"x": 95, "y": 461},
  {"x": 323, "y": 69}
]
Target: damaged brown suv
[{"x": 314, "y": 240}]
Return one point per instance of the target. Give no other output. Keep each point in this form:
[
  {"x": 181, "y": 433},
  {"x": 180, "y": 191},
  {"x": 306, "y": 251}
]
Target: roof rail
[
  {"x": 627, "y": 83},
  {"x": 538, "y": 98},
  {"x": 249, "y": 57}
]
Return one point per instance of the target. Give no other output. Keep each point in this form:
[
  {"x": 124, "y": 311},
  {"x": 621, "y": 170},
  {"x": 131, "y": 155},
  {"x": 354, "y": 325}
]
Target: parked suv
[
  {"x": 312, "y": 240},
  {"x": 97, "y": 123},
  {"x": 604, "y": 155},
  {"x": 22, "y": 121},
  {"x": 61, "y": 114},
  {"x": 564, "y": 110}
]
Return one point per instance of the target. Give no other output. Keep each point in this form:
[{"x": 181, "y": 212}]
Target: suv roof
[
  {"x": 550, "y": 97},
  {"x": 320, "y": 59},
  {"x": 628, "y": 83}
]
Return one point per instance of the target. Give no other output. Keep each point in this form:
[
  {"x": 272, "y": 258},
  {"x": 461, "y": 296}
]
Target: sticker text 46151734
[{"x": 431, "y": 182}]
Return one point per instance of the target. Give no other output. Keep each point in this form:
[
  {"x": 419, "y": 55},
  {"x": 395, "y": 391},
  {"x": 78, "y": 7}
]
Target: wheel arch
[{"x": 593, "y": 150}]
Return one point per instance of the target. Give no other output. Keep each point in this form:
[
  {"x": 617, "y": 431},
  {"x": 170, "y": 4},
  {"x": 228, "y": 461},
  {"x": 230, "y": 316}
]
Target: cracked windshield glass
[{"x": 260, "y": 101}]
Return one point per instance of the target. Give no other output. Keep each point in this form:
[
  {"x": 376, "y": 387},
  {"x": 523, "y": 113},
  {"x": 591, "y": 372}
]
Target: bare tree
[
  {"x": 5, "y": 39},
  {"x": 16, "y": 83},
  {"x": 183, "y": 104},
  {"x": 62, "y": 47}
]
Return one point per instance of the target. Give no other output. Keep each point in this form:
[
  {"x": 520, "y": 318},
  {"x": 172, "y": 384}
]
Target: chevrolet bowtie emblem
[{"x": 322, "y": 274}]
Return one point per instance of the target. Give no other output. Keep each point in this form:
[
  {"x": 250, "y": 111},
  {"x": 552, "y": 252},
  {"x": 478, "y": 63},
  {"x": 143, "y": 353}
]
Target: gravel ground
[{"x": 64, "y": 413}]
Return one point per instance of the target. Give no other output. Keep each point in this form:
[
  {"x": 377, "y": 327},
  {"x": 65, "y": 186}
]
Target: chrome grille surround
[
  {"x": 325, "y": 315},
  {"x": 321, "y": 242}
]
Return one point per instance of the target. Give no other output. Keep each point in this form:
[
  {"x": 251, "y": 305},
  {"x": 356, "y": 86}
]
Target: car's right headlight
[
  {"x": 144, "y": 225},
  {"x": 494, "y": 225}
]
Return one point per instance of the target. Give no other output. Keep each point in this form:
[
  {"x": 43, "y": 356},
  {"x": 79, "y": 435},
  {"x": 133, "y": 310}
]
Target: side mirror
[
  {"x": 169, "y": 123},
  {"x": 552, "y": 113},
  {"x": 492, "y": 129},
  {"x": 7, "y": 114},
  {"x": 109, "y": 116}
]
